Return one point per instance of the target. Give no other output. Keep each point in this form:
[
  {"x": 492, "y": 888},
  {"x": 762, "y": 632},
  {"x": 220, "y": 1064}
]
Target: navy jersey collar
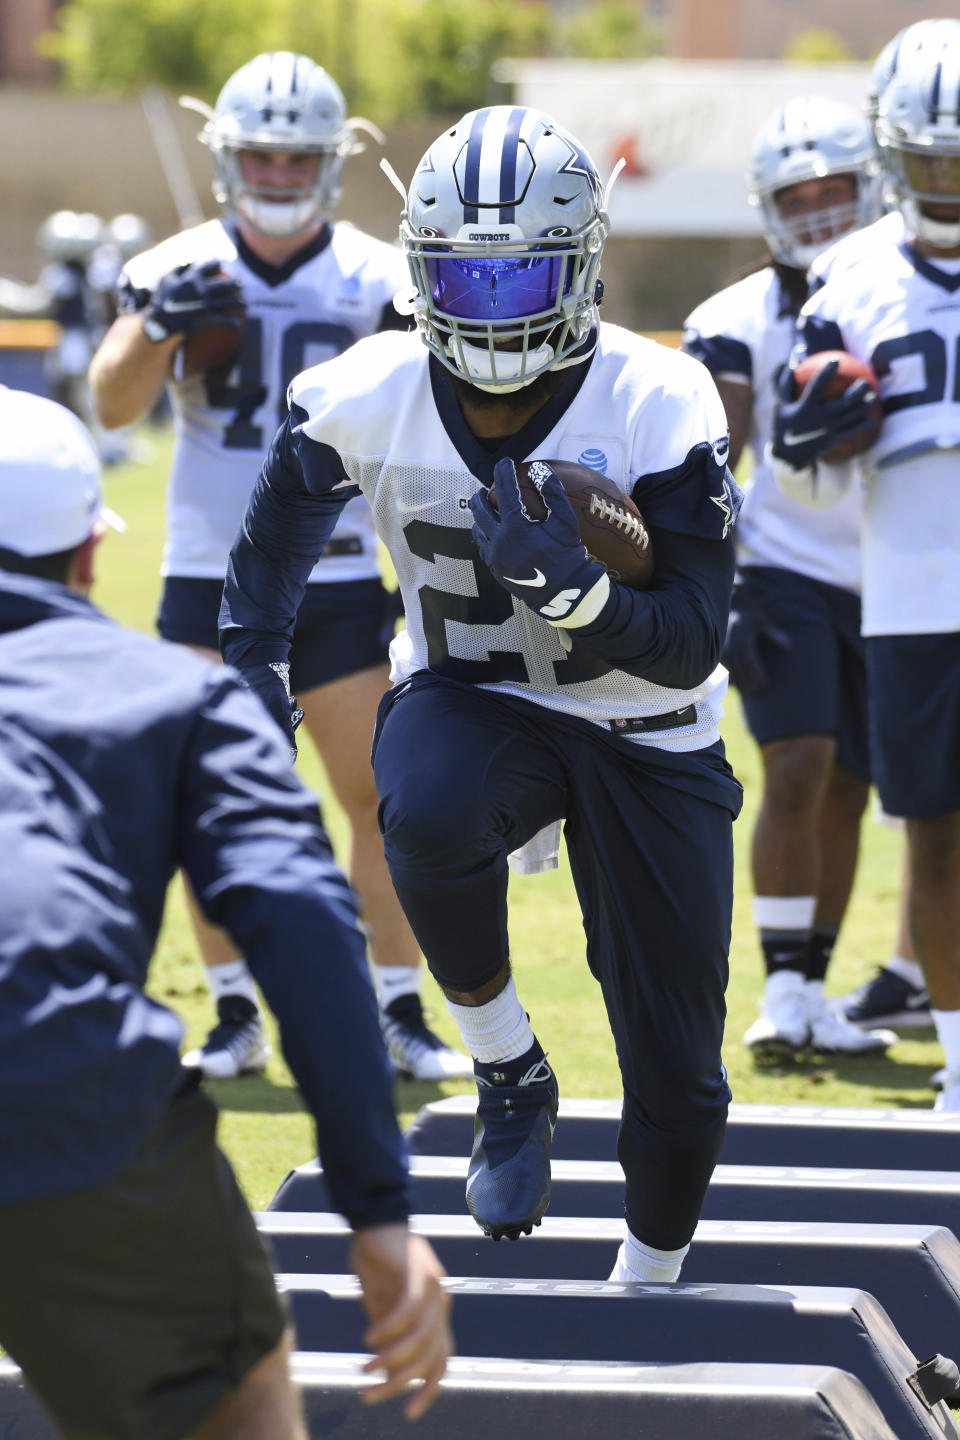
[
  {"x": 274, "y": 275},
  {"x": 928, "y": 269},
  {"x": 477, "y": 457}
]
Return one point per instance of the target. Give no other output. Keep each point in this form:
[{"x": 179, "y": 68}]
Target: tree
[
  {"x": 610, "y": 30},
  {"x": 393, "y": 58}
]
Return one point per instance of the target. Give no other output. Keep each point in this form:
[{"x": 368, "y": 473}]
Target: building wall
[
  {"x": 762, "y": 29},
  {"x": 96, "y": 154},
  {"x": 21, "y": 22}
]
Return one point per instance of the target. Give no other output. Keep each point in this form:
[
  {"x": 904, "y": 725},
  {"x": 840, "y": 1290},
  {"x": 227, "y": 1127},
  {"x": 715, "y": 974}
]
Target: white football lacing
[{"x": 631, "y": 525}]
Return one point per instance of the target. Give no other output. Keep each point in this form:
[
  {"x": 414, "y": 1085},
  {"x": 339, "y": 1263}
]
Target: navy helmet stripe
[
  {"x": 471, "y": 177},
  {"x": 935, "y": 92},
  {"x": 508, "y": 164}
]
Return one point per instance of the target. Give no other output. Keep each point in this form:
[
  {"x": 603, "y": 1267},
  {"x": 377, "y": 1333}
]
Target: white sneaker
[
  {"x": 832, "y": 1033},
  {"x": 782, "y": 1028},
  {"x": 235, "y": 1046},
  {"x": 948, "y": 1099},
  {"x": 415, "y": 1051}
]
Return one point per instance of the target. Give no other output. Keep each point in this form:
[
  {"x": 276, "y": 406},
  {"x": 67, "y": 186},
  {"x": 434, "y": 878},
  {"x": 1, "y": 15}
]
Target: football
[
  {"x": 215, "y": 345},
  {"x": 611, "y": 526},
  {"x": 849, "y": 370}
]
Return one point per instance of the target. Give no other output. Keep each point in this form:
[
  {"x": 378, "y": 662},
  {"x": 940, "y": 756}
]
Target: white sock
[
  {"x": 784, "y": 912},
  {"x": 636, "y": 1261},
  {"x": 392, "y": 981},
  {"x": 948, "y": 1033},
  {"x": 498, "y": 1030},
  {"x": 232, "y": 979},
  {"x": 908, "y": 970}
]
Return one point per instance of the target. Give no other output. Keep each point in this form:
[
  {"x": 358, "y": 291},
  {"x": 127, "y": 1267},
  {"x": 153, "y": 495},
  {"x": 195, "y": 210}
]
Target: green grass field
[{"x": 264, "y": 1128}]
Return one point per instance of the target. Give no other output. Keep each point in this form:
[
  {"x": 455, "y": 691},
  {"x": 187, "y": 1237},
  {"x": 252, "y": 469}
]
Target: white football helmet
[
  {"x": 278, "y": 101},
  {"x": 68, "y": 235},
  {"x": 809, "y": 138},
  {"x": 918, "y": 132},
  {"x": 503, "y": 229},
  {"x": 129, "y": 234},
  {"x": 900, "y": 51}
]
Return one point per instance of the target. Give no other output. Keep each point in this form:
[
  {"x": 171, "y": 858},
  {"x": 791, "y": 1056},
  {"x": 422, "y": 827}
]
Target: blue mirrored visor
[{"x": 478, "y": 288}]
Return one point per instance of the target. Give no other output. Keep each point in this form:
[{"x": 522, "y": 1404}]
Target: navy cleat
[
  {"x": 887, "y": 999},
  {"x": 508, "y": 1182}
]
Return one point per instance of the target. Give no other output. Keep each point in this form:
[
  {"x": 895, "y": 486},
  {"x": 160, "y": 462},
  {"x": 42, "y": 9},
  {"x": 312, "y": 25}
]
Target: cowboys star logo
[{"x": 724, "y": 502}]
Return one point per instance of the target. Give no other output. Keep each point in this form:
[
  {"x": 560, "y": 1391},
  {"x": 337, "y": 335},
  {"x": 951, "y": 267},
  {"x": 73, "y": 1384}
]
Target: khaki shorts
[{"x": 134, "y": 1307}]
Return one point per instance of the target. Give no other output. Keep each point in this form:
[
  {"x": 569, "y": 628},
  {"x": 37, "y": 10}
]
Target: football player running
[
  {"x": 794, "y": 648},
  {"x": 530, "y": 687},
  {"x": 893, "y": 305},
  {"x": 279, "y": 136}
]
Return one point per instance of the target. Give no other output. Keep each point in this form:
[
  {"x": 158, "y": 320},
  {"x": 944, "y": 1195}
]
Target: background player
[
  {"x": 278, "y": 136},
  {"x": 137, "y": 1295},
  {"x": 794, "y": 648},
  {"x": 529, "y": 686},
  {"x": 890, "y": 305},
  {"x": 896, "y": 994}
]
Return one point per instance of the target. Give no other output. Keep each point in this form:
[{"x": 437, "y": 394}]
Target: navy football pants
[{"x": 465, "y": 777}]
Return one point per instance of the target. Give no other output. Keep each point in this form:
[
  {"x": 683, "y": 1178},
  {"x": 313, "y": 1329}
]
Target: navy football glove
[
  {"x": 543, "y": 562},
  {"x": 189, "y": 298},
  {"x": 272, "y": 684},
  {"x": 749, "y": 629},
  {"x": 807, "y": 427}
]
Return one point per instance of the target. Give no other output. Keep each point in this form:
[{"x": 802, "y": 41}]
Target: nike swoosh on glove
[
  {"x": 272, "y": 683},
  {"x": 748, "y": 630},
  {"x": 807, "y": 427},
  {"x": 189, "y": 298},
  {"x": 544, "y": 563}
]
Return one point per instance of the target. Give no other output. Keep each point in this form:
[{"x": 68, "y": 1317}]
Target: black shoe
[
  {"x": 887, "y": 999},
  {"x": 416, "y": 1053},
  {"x": 508, "y": 1182}
]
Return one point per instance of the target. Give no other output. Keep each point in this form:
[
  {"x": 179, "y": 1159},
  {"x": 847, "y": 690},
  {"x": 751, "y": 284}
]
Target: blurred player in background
[
  {"x": 896, "y": 994},
  {"x": 794, "y": 648},
  {"x": 893, "y": 305},
  {"x": 309, "y": 289},
  {"x": 137, "y": 1295},
  {"x": 531, "y": 687}
]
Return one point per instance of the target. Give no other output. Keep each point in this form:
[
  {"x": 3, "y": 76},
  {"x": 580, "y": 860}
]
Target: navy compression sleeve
[{"x": 672, "y": 633}]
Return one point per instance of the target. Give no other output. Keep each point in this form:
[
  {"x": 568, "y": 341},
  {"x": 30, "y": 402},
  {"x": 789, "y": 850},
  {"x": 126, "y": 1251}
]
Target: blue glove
[
  {"x": 189, "y": 298},
  {"x": 272, "y": 684},
  {"x": 543, "y": 562},
  {"x": 748, "y": 630},
  {"x": 807, "y": 427}
]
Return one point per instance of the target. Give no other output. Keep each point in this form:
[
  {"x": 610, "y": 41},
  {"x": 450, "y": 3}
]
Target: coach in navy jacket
[{"x": 122, "y": 758}]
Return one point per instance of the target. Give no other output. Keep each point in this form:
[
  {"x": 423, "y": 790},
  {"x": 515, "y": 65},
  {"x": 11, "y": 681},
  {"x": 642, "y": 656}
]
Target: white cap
[{"x": 50, "y": 495}]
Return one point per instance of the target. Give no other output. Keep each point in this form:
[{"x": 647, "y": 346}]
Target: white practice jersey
[
  {"x": 901, "y": 314},
  {"x": 744, "y": 335},
  {"x": 647, "y": 416},
  {"x": 223, "y": 424},
  {"x": 850, "y": 249}
]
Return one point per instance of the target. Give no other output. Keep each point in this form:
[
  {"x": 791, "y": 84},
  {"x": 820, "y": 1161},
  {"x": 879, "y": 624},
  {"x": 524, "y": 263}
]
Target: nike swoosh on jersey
[
  {"x": 538, "y": 579},
  {"x": 790, "y": 438}
]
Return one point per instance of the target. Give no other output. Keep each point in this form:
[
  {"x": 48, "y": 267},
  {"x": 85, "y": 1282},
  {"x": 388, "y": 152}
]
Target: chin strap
[{"x": 510, "y": 364}]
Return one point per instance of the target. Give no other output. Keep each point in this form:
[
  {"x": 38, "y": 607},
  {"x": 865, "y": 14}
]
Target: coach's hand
[
  {"x": 189, "y": 298},
  {"x": 543, "y": 562},
  {"x": 272, "y": 684},
  {"x": 806, "y": 427},
  {"x": 748, "y": 630},
  {"x": 409, "y": 1310}
]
